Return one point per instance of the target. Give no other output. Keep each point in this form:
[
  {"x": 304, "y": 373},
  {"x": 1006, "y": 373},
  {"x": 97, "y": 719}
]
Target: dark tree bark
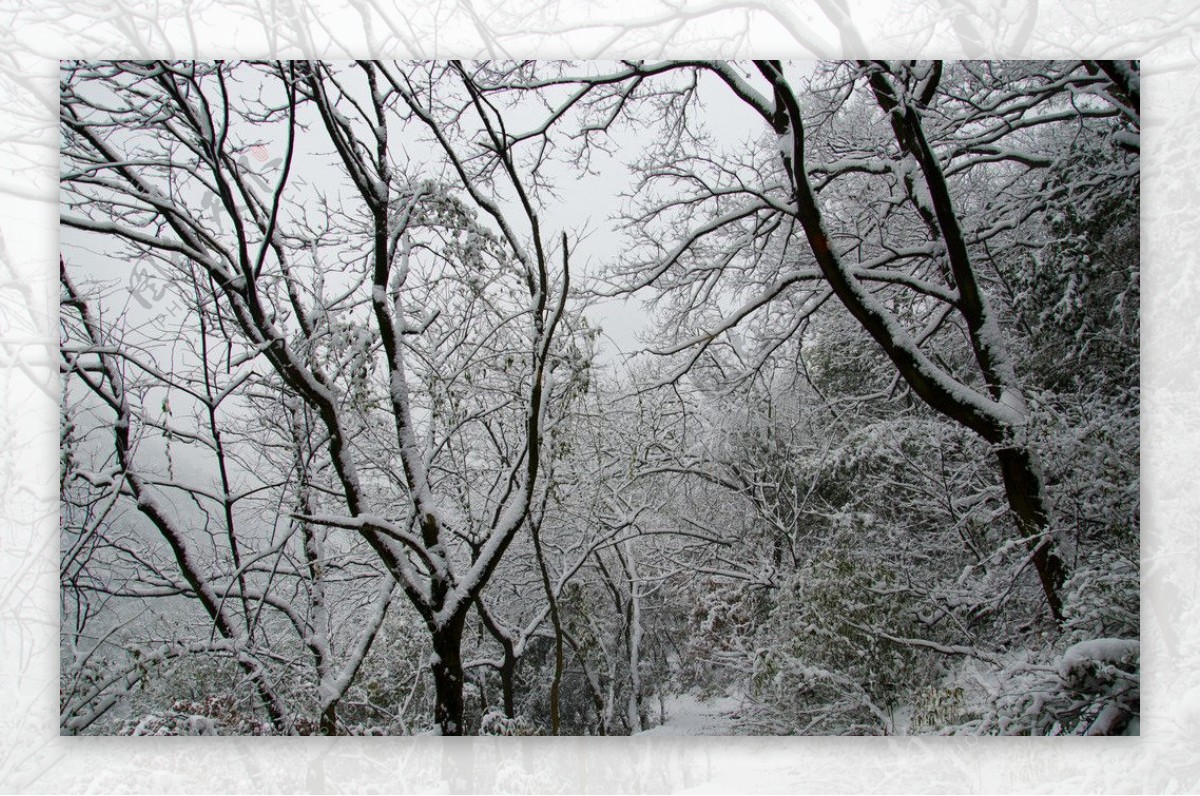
[
  {"x": 508, "y": 663},
  {"x": 1026, "y": 496},
  {"x": 450, "y": 710}
]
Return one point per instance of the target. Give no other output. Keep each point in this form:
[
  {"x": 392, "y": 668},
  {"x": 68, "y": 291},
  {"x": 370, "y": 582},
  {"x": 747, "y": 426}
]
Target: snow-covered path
[{"x": 689, "y": 715}]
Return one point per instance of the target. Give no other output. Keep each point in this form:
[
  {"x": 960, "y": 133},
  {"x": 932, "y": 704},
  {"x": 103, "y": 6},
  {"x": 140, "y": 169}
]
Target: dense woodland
[{"x": 348, "y": 446}]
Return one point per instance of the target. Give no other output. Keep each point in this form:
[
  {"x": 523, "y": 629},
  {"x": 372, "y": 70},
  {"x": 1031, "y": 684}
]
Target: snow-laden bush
[
  {"x": 936, "y": 707},
  {"x": 213, "y": 715},
  {"x": 494, "y": 722},
  {"x": 722, "y": 621},
  {"x": 1103, "y": 598},
  {"x": 1091, "y": 688},
  {"x": 824, "y": 664}
]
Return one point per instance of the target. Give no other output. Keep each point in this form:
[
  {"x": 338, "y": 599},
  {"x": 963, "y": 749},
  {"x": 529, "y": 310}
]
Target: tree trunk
[
  {"x": 556, "y": 683},
  {"x": 448, "y": 676},
  {"x": 328, "y": 724},
  {"x": 268, "y": 700},
  {"x": 1023, "y": 487},
  {"x": 535, "y": 527},
  {"x": 508, "y": 670},
  {"x": 508, "y": 667}
]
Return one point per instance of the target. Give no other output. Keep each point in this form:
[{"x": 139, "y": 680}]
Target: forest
[{"x": 599, "y": 398}]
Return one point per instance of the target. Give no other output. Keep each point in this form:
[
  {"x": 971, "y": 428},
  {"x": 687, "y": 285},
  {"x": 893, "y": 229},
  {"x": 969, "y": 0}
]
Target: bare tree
[{"x": 364, "y": 294}]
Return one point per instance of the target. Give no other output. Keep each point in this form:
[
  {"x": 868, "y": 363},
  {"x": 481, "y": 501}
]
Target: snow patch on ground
[{"x": 689, "y": 715}]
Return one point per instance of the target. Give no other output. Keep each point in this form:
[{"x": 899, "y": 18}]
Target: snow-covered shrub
[
  {"x": 722, "y": 621},
  {"x": 494, "y": 722},
  {"x": 1102, "y": 597},
  {"x": 1091, "y": 688},
  {"x": 936, "y": 707},
  {"x": 213, "y": 715},
  {"x": 824, "y": 664}
]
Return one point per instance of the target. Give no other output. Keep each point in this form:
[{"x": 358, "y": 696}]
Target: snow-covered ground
[{"x": 689, "y": 715}]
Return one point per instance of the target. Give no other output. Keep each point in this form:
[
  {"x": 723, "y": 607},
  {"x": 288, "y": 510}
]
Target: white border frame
[{"x": 34, "y": 758}]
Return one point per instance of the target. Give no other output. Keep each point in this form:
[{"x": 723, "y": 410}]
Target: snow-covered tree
[{"x": 363, "y": 292}]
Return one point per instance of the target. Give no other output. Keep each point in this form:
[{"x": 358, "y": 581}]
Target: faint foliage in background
[
  {"x": 1170, "y": 419},
  {"x": 1160, "y": 32}
]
